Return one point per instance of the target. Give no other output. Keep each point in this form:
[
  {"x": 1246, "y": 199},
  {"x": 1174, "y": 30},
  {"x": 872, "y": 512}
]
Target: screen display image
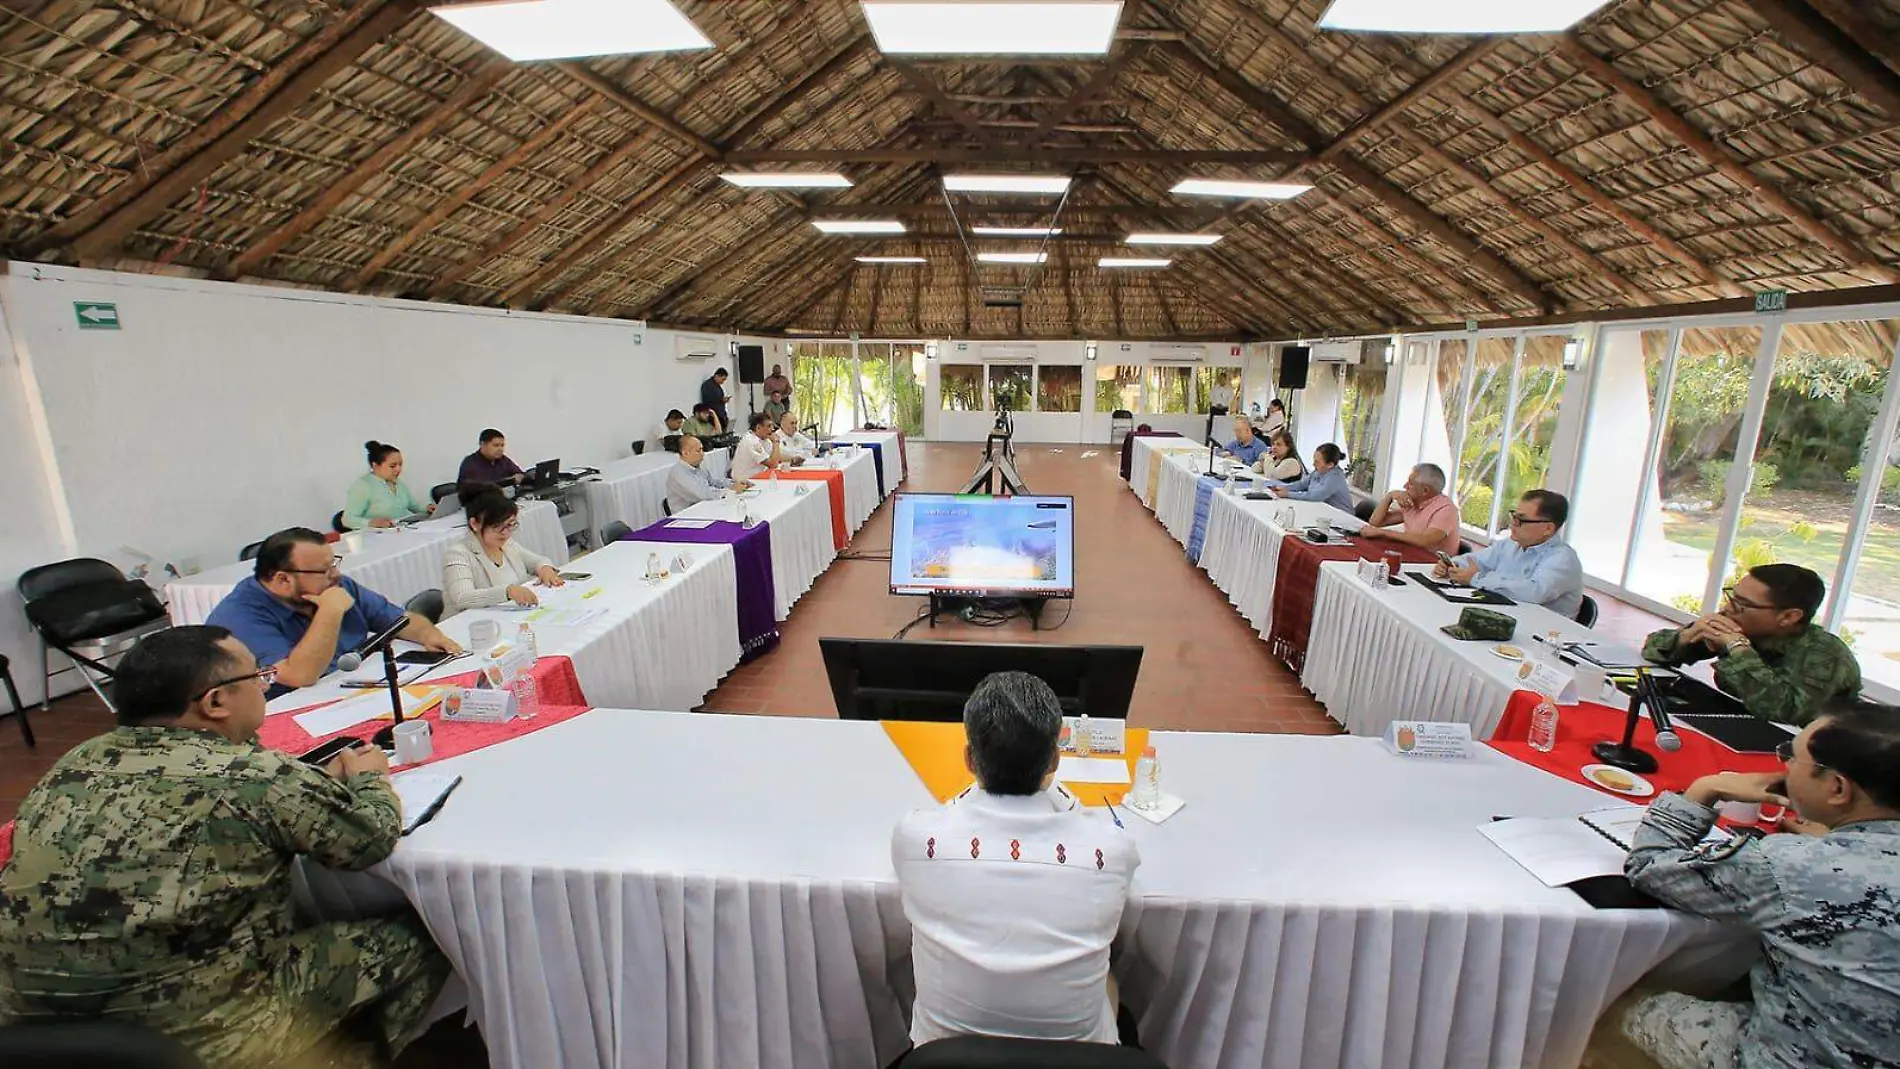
[{"x": 976, "y": 546}]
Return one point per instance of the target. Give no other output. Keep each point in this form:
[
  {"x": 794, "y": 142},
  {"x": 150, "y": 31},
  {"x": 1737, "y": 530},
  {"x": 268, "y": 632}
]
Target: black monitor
[{"x": 882, "y": 679}]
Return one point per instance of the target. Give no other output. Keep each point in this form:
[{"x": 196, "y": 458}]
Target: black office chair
[
  {"x": 82, "y": 1044},
  {"x": 666, "y": 508},
  {"x": 88, "y": 610},
  {"x": 989, "y": 1052},
  {"x": 616, "y": 530},
  {"x": 1364, "y": 510},
  {"x": 251, "y": 551},
  {"x": 671, "y": 443},
  {"x": 13, "y": 696},
  {"x": 427, "y": 605},
  {"x": 639, "y": 448},
  {"x": 1587, "y": 611},
  {"x": 336, "y": 523},
  {"x": 1464, "y": 548},
  {"x": 440, "y": 491}
]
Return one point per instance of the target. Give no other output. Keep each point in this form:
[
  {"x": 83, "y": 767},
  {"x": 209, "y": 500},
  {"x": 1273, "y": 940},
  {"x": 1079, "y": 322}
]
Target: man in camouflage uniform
[
  {"x": 151, "y": 874},
  {"x": 1770, "y": 653},
  {"x": 1824, "y": 899}
]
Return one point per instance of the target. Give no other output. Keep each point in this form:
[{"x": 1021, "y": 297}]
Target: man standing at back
[
  {"x": 1013, "y": 890},
  {"x": 777, "y": 383},
  {"x": 712, "y": 394},
  {"x": 151, "y": 874}
]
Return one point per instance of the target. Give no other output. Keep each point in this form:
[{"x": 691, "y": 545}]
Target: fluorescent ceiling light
[
  {"x": 1000, "y": 28},
  {"x": 1212, "y": 187},
  {"x": 1131, "y": 261},
  {"x": 786, "y": 180},
  {"x": 1457, "y": 16},
  {"x": 526, "y": 30},
  {"x": 1048, "y": 185},
  {"x": 858, "y": 226},
  {"x": 1015, "y": 231},
  {"x": 889, "y": 259},
  {"x": 1172, "y": 239},
  {"x": 1012, "y": 257}
]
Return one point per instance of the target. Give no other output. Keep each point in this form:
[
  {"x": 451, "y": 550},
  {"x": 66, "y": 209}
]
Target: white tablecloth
[
  {"x": 1376, "y": 657},
  {"x": 801, "y": 532},
  {"x": 631, "y": 489},
  {"x": 1241, "y": 551},
  {"x": 644, "y": 890},
  {"x": 896, "y": 463},
  {"x": 398, "y": 562}
]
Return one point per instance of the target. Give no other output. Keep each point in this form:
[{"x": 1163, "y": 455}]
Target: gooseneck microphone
[{"x": 1625, "y": 754}]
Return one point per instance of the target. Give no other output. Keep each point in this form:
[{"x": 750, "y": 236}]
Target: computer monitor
[
  {"x": 546, "y": 473},
  {"x": 974, "y": 546},
  {"x": 881, "y": 679}
]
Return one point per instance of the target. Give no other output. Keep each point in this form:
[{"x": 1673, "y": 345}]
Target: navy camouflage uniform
[{"x": 151, "y": 882}]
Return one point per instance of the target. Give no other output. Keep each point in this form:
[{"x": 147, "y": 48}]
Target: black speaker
[
  {"x": 751, "y": 363},
  {"x": 1293, "y": 360}
]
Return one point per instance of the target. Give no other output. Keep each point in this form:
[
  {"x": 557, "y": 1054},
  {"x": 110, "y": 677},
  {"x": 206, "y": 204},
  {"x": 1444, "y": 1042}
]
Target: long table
[
  {"x": 1241, "y": 553},
  {"x": 632, "y": 489},
  {"x": 800, "y": 517},
  {"x": 645, "y": 889},
  {"x": 396, "y": 562}
]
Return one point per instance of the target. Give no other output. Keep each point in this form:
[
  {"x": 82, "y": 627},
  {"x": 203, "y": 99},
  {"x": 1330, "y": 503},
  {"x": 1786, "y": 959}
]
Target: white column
[
  {"x": 1415, "y": 413},
  {"x": 1610, "y": 479},
  {"x": 1316, "y": 415}
]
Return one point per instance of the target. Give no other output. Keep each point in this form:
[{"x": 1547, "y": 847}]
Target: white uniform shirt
[
  {"x": 1012, "y": 902},
  {"x": 749, "y": 458},
  {"x": 795, "y": 445}
]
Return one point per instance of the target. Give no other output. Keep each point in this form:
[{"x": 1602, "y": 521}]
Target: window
[
  {"x": 1613, "y": 495},
  {"x": 1207, "y": 379},
  {"x": 1168, "y": 389},
  {"x": 1538, "y": 390},
  {"x": 1449, "y": 383},
  {"x": 1360, "y": 408},
  {"x": 1483, "y": 442},
  {"x": 1058, "y": 388},
  {"x": 822, "y": 375},
  {"x": 907, "y": 383},
  {"x": 1117, "y": 386},
  {"x": 1010, "y": 387},
  {"x": 960, "y": 387},
  {"x": 874, "y": 382}
]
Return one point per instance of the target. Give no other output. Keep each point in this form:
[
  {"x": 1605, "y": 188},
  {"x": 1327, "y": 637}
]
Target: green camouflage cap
[{"x": 1481, "y": 624}]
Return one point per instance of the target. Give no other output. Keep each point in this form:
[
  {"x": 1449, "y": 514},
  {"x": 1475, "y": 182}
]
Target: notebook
[
  {"x": 1561, "y": 851},
  {"x": 422, "y": 794}
]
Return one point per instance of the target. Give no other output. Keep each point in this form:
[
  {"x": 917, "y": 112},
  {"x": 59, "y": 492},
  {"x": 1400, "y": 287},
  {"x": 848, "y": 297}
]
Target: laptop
[{"x": 545, "y": 474}]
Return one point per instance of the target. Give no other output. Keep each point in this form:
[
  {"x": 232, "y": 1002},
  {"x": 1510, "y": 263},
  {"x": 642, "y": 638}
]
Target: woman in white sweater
[
  {"x": 1282, "y": 461},
  {"x": 487, "y": 567}
]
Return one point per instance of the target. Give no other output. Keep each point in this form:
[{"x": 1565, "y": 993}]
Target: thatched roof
[{"x": 1666, "y": 151}]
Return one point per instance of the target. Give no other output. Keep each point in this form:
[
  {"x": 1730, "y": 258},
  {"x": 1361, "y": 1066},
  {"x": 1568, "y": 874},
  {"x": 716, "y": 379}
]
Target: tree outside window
[{"x": 1058, "y": 388}]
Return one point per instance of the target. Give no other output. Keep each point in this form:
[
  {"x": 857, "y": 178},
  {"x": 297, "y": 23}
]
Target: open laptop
[{"x": 545, "y": 474}]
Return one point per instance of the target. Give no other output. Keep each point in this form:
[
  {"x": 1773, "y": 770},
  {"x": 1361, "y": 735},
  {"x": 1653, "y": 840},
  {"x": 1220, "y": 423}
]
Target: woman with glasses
[
  {"x": 1282, "y": 461},
  {"x": 380, "y": 497},
  {"x": 488, "y": 567}
]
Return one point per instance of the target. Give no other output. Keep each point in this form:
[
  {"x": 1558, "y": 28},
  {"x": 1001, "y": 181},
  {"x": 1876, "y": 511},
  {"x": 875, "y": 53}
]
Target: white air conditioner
[
  {"x": 694, "y": 347},
  {"x": 1005, "y": 353},
  {"x": 1340, "y": 352},
  {"x": 1164, "y": 353}
]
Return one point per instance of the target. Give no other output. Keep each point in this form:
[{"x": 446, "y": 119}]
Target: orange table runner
[
  {"x": 834, "y": 483},
  {"x": 935, "y": 753}
]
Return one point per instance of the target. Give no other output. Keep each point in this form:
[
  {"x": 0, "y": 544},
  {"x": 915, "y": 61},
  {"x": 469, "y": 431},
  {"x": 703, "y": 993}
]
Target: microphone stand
[
  {"x": 386, "y": 737},
  {"x": 1625, "y": 754}
]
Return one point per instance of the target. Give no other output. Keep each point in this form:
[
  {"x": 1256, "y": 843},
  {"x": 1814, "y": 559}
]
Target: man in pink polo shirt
[{"x": 1426, "y": 516}]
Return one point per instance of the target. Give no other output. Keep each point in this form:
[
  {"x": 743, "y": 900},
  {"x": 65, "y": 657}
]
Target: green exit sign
[
  {"x": 1771, "y": 302},
  {"x": 96, "y": 315}
]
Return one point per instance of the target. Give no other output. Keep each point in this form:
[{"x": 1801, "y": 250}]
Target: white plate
[
  {"x": 1500, "y": 651},
  {"x": 1640, "y": 787}
]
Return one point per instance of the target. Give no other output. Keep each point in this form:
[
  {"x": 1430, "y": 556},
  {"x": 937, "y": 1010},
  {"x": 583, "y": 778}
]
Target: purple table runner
[{"x": 752, "y": 572}]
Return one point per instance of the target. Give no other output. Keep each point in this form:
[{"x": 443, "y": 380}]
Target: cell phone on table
[
  {"x": 327, "y": 752},
  {"x": 422, "y": 657},
  {"x": 575, "y": 577}
]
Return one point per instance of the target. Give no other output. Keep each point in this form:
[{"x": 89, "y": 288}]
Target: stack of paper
[{"x": 344, "y": 715}]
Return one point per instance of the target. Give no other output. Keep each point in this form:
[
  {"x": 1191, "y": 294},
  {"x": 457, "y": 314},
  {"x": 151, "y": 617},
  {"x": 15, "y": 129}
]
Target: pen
[{"x": 1112, "y": 815}]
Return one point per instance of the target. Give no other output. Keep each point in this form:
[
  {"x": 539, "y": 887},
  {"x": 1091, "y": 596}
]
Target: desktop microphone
[
  {"x": 349, "y": 662},
  {"x": 1666, "y": 738}
]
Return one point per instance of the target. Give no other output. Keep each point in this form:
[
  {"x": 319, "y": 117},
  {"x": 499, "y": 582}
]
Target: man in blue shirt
[
  {"x": 298, "y": 612},
  {"x": 1324, "y": 481},
  {"x": 1246, "y": 446},
  {"x": 1531, "y": 566}
]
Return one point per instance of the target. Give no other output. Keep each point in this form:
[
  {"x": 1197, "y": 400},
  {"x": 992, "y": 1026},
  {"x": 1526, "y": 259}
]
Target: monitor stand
[{"x": 942, "y": 604}]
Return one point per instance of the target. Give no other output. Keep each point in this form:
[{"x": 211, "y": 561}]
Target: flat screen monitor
[
  {"x": 975, "y": 546},
  {"x": 882, "y": 679}
]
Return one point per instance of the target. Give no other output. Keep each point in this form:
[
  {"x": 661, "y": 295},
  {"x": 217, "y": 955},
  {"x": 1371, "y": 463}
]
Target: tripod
[{"x": 998, "y": 467}]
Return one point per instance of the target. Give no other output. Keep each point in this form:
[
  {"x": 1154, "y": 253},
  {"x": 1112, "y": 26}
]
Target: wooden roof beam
[
  {"x": 620, "y": 97},
  {"x": 748, "y": 244},
  {"x": 1731, "y": 167},
  {"x": 1383, "y": 311},
  {"x": 1068, "y": 289},
  {"x": 940, "y": 101},
  {"x": 332, "y": 196},
  {"x": 1094, "y": 89},
  {"x": 1847, "y": 15},
  {"x": 1820, "y": 40},
  {"x": 877, "y": 302},
  {"x": 844, "y": 300},
  {"x": 1419, "y": 90},
  {"x": 951, "y": 155},
  {"x": 98, "y": 229},
  {"x": 1167, "y": 311}
]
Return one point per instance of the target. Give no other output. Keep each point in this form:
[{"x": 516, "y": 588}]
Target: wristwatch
[{"x": 1736, "y": 644}]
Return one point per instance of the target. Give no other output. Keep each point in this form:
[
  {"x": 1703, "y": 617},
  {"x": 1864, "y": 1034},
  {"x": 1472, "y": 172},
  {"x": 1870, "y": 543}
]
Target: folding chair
[{"x": 88, "y": 610}]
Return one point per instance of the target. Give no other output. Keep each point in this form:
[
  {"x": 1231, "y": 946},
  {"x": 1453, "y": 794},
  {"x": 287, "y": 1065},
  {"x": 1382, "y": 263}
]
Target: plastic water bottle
[
  {"x": 1378, "y": 574},
  {"x": 1543, "y": 736},
  {"x": 653, "y": 567},
  {"x": 527, "y": 696},
  {"x": 1084, "y": 742},
  {"x": 1230, "y": 482},
  {"x": 524, "y": 637},
  {"x": 1147, "y": 792}
]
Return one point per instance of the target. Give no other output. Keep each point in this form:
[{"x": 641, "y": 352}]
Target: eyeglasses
[
  {"x": 264, "y": 676},
  {"x": 507, "y": 528},
  {"x": 335, "y": 563},
  {"x": 1521, "y": 520},
  {"x": 1728, "y": 594},
  {"x": 1785, "y": 750}
]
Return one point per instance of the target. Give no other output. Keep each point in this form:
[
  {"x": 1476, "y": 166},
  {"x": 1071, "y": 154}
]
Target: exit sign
[
  {"x": 96, "y": 315},
  {"x": 1771, "y": 302}
]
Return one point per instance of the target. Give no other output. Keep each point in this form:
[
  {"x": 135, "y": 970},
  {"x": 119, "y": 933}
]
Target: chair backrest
[
  {"x": 251, "y": 551},
  {"x": 83, "y": 1044},
  {"x": 666, "y": 507},
  {"x": 1587, "y": 611},
  {"x": 427, "y": 605},
  {"x": 990, "y": 1052},
  {"x": 36, "y": 583},
  {"x": 440, "y": 491},
  {"x": 639, "y": 447},
  {"x": 616, "y": 530},
  {"x": 336, "y": 523},
  {"x": 1364, "y": 510},
  {"x": 1121, "y": 413}
]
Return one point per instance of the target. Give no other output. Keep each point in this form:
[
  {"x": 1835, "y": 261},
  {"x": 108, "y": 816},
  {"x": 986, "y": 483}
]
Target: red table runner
[
  {"x": 1297, "y": 585},
  {"x": 1580, "y": 727},
  {"x": 834, "y": 485}
]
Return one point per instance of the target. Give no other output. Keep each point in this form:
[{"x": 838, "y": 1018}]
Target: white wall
[
  {"x": 219, "y": 413},
  {"x": 29, "y": 525}
]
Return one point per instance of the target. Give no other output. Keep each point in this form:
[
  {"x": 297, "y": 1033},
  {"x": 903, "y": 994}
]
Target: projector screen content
[{"x": 977, "y": 546}]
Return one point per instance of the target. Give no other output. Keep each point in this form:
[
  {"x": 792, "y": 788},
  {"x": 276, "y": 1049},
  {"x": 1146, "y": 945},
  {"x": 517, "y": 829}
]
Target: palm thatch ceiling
[{"x": 1665, "y": 151}]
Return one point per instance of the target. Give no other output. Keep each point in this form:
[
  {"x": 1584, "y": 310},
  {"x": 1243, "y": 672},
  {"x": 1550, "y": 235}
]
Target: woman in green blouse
[{"x": 379, "y": 498}]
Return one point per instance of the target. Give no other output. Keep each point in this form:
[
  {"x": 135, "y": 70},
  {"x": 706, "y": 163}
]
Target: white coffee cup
[
  {"x": 1591, "y": 679},
  {"x": 483, "y": 634},
  {"x": 413, "y": 741},
  {"x": 1749, "y": 812}
]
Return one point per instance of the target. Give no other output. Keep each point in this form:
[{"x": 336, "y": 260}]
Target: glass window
[
  {"x": 909, "y": 368},
  {"x": 1218, "y": 386},
  {"x": 1010, "y": 387},
  {"x": 1117, "y": 386},
  {"x": 1483, "y": 442},
  {"x": 960, "y": 387},
  {"x": 1168, "y": 389},
  {"x": 1058, "y": 388},
  {"x": 1450, "y": 384},
  {"x": 1361, "y": 401},
  {"x": 822, "y": 375},
  {"x": 1540, "y": 389},
  {"x": 874, "y": 381}
]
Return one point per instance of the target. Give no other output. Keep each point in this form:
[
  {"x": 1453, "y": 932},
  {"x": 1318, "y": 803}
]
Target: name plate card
[
  {"x": 1105, "y": 735},
  {"x": 1426, "y": 738},
  {"x": 1557, "y": 685},
  {"x": 505, "y": 664},
  {"x": 469, "y": 705}
]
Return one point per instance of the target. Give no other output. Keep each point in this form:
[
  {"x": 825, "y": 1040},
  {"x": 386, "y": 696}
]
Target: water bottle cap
[{"x": 1147, "y": 751}]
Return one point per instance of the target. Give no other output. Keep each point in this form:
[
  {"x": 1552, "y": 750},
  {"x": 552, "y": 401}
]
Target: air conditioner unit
[
  {"x": 1176, "y": 354},
  {"x": 1010, "y": 354},
  {"x": 696, "y": 347},
  {"x": 1340, "y": 352}
]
